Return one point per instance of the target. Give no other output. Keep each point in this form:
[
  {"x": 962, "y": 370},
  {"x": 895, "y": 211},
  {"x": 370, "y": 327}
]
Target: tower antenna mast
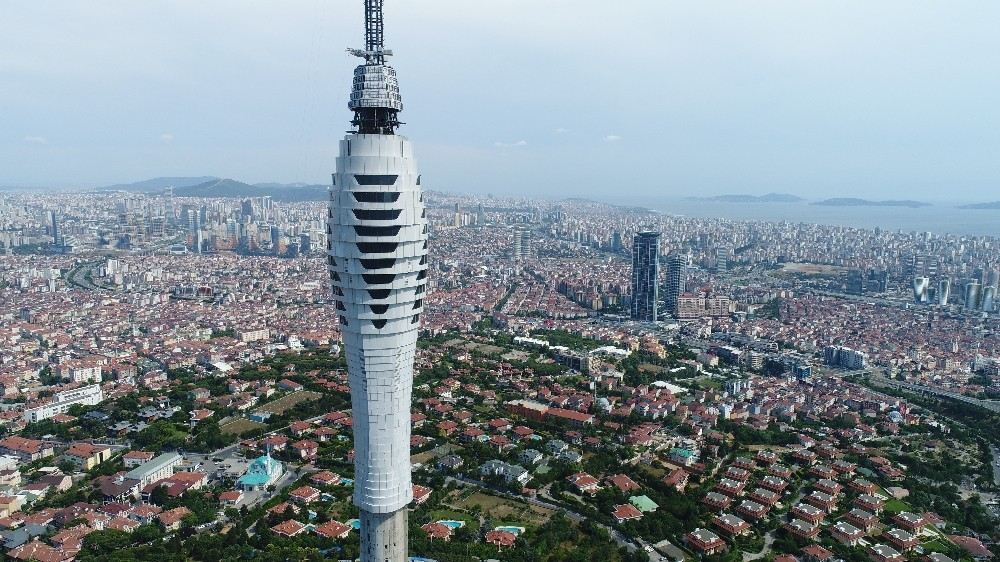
[
  {"x": 375, "y": 98},
  {"x": 374, "y": 28}
]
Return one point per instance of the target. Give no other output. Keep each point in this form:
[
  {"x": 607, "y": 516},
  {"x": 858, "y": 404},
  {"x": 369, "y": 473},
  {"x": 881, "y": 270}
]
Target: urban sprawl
[{"x": 592, "y": 382}]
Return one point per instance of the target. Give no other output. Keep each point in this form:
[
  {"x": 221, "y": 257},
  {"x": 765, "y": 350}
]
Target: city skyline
[
  {"x": 671, "y": 282},
  {"x": 782, "y": 104}
]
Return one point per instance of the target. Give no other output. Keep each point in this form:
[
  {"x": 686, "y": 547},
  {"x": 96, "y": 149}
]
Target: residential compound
[{"x": 61, "y": 401}]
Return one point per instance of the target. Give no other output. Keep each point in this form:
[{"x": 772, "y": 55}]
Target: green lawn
[
  {"x": 937, "y": 545},
  {"x": 894, "y": 506},
  {"x": 444, "y": 513}
]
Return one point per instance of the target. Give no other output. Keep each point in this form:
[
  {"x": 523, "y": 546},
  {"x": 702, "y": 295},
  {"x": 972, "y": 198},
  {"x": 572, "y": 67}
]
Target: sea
[{"x": 938, "y": 218}]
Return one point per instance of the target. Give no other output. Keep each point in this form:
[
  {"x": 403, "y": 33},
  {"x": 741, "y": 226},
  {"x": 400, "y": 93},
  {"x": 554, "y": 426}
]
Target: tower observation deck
[{"x": 377, "y": 260}]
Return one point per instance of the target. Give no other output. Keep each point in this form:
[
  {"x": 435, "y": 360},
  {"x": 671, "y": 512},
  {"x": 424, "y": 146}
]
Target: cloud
[
  {"x": 167, "y": 137},
  {"x": 612, "y": 138},
  {"x": 36, "y": 140},
  {"x": 510, "y": 144},
  {"x": 561, "y": 130}
]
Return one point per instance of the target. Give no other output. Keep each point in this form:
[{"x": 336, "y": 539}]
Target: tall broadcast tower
[{"x": 378, "y": 265}]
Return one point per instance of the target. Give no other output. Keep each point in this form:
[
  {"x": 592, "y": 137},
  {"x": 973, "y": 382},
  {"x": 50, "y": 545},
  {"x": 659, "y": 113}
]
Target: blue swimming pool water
[{"x": 452, "y": 523}]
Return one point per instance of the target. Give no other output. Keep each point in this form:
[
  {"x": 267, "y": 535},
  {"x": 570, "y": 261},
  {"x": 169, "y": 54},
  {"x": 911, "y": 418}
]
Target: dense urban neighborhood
[{"x": 189, "y": 399}]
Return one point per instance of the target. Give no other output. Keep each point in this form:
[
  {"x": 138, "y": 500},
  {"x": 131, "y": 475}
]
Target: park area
[
  {"x": 503, "y": 511},
  {"x": 288, "y": 401},
  {"x": 239, "y": 426}
]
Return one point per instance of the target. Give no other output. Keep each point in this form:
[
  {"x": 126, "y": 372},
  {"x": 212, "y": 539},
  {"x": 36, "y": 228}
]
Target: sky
[{"x": 637, "y": 99}]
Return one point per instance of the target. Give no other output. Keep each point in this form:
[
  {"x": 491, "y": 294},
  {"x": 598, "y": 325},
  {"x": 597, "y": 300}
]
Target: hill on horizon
[
  {"x": 159, "y": 184},
  {"x": 747, "y": 198},
  {"x": 992, "y": 205},
  {"x": 211, "y": 186}
]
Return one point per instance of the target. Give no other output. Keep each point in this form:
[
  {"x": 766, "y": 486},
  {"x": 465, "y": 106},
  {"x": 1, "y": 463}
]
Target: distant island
[
  {"x": 855, "y": 202},
  {"x": 992, "y": 205},
  {"x": 210, "y": 186},
  {"x": 746, "y": 198}
]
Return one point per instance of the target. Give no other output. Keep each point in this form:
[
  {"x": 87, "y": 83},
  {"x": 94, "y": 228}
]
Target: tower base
[{"x": 384, "y": 536}]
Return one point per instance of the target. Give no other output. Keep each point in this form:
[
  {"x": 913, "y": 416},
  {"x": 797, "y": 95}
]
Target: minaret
[{"x": 378, "y": 265}]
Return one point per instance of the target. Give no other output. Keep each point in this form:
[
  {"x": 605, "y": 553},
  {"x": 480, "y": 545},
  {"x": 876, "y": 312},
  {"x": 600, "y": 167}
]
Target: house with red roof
[
  {"x": 437, "y": 531},
  {"x": 420, "y": 494},
  {"x": 972, "y": 545},
  {"x": 816, "y": 553},
  {"x": 731, "y": 525},
  {"x": 584, "y": 482},
  {"x": 306, "y": 449},
  {"x": 304, "y": 495},
  {"x": 677, "y": 479},
  {"x": 502, "y": 539},
  {"x": 626, "y": 512},
  {"x": 704, "y": 542},
  {"x": 231, "y": 498},
  {"x": 289, "y": 528},
  {"x": 325, "y": 478},
  {"x": 171, "y": 519},
  {"x": 623, "y": 482},
  {"x": 333, "y": 530}
]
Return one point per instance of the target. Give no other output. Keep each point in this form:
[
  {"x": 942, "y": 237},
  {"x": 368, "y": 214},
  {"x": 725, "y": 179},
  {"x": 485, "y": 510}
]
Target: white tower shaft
[
  {"x": 378, "y": 262},
  {"x": 378, "y": 265}
]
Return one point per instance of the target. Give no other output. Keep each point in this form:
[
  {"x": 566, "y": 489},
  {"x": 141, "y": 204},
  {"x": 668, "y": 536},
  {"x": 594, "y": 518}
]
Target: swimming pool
[
  {"x": 452, "y": 523},
  {"x": 354, "y": 523},
  {"x": 516, "y": 531},
  {"x": 346, "y": 482}
]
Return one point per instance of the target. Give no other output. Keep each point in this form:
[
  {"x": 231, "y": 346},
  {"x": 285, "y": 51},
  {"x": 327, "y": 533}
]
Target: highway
[
  {"x": 78, "y": 276},
  {"x": 996, "y": 464},
  {"x": 991, "y": 405}
]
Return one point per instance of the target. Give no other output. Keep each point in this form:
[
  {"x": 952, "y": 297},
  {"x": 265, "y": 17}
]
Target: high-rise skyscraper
[
  {"x": 521, "y": 248},
  {"x": 920, "y": 289},
  {"x": 54, "y": 229},
  {"x": 989, "y": 298},
  {"x": 378, "y": 265},
  {"x": 944, "y": 291},
  {"x": 993, "y": 278},
  {"x": 722, "y": 255},
  {"x": 677, "y": 265},
  {"x": 855, "y": 282},
  {"x": 645, "y": 276},
  {"x": 973, "y": 294}
]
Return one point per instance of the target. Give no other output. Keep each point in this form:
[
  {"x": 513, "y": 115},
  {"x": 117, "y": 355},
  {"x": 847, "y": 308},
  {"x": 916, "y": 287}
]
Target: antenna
[
  {"x": 374, "y": 28},
  {"x": 375, "y": 98},
  {"x": 374, "y": 51}
]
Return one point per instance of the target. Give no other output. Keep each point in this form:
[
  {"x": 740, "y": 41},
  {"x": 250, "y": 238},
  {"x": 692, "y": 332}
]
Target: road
[
  {"x": 996, "y": 464},
  {"x": 991, "y": 405},
  {"x": 77, "y": 276},
  {"x": 768, "y": 541}
]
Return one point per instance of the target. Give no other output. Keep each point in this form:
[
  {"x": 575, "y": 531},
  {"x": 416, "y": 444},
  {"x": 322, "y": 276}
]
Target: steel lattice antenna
[
  {"x": 375, "y": 98},
  {"x": 374, "y": 51}
]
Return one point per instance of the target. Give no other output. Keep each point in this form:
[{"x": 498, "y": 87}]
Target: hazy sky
[{"x": 555, "y": 97}]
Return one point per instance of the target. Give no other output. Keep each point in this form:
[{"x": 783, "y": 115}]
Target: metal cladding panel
[
  {"x": 379, "y": 282},
  {"x": 375, "y": 85}
]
